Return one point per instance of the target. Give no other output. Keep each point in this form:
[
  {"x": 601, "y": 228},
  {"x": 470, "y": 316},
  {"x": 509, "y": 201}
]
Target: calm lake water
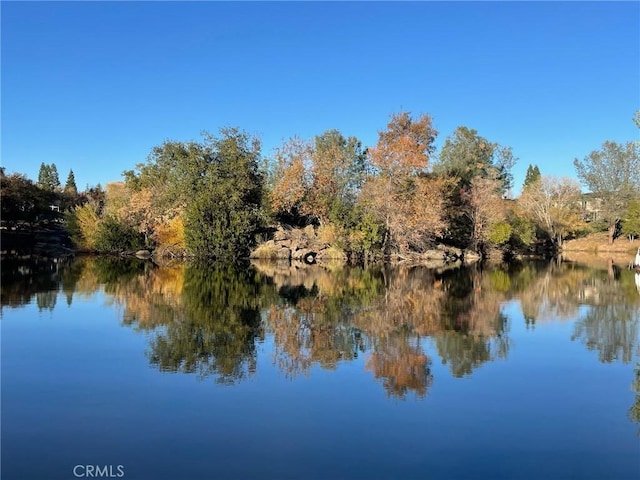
[{"x": 122, "y": 369}]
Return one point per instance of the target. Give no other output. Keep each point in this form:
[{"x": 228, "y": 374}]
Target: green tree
[
  {"x": 54, "y": 179},
  {"x": 532, "y": 176},
  {"x": 70, "y": 185},
  {"x": 43, "y": 175},
  {"x": 631, "y": 220},
  {"x": 467, "y": 155},
  {"x": 172, "y": 172},
  {"x": 612, "y": 174},
  {"x": 212, "y": 188},
  {"x": 225, "y": 212},
  {"x": 523, "y": 229},
  {"x": 337, "y": 173},
  {"x": 22, "y": 201},
  {"x": 217, "y": 325},
  {"x": 114, "y": 235},
  {"x": 48, "y": 177}
]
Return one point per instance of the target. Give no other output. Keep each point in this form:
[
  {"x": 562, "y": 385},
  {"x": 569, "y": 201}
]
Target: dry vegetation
[{"x": 598, "y": 243}]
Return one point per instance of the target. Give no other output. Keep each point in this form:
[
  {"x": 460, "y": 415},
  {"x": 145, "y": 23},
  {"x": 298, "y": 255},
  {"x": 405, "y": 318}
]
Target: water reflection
[
  {"x": 634, "y": 411},
  {"x": 210, "y": 321},
  {"x": 24, "y": 278},
  {"x": 215, "y": 327}
]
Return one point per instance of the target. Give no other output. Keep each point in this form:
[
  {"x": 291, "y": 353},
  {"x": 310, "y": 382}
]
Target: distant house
[{"x": 590, "y": 206}]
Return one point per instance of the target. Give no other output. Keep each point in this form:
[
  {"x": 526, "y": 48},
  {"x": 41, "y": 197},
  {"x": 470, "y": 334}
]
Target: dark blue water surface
[{"x": 276, "y": 372}]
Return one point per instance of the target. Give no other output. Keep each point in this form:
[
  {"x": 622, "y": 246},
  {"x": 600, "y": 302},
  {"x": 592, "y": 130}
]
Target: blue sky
[{"x": 94, "y": 86}]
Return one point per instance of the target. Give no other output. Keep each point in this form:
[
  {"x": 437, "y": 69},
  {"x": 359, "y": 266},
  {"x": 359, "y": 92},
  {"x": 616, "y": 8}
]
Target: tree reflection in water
[
  {"x": 210, "y": 320},
  {"x": 401, "y": 365},
  {"x": 634, "y": 411},
  {"x": 218, "y": 328},
  {"x": 611, "y": 330}
]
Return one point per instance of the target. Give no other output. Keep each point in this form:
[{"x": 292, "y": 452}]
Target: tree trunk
[
  {"x": 385, "y": 243},
  {"x": 610, "y": 270},
  {"x": 612, "y": 232}
]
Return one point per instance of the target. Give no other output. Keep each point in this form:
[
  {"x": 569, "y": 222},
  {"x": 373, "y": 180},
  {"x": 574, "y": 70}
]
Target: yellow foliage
[
  {"x": 327, "y": 234},
  {"x": 265, "y": 251},
  {"x": 88, "y": 220},
  {"x": 356, "y": 240},
  {"x": 118, "y": 200},
  {"x": 170, "y": 235}
]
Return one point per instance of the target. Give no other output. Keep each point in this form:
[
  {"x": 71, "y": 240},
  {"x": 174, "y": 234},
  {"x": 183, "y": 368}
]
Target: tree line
[
  {"x": 218, "y": 197},
  {"x": 27, "y": 204}
]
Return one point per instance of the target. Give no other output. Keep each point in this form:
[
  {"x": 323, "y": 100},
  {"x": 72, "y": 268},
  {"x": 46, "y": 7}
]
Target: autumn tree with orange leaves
[
  {"x": 403, "y": 201},
  {"x": 319, "y": 179},
  {"x": 290, "y": 184},
  {"x": 485, "y": 209}
]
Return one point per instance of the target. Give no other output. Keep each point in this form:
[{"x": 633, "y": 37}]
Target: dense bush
[
  {"x": 113, "y": 236},
  {"x": 82, "y": 224},
  {"x": 224, "y": 213}
]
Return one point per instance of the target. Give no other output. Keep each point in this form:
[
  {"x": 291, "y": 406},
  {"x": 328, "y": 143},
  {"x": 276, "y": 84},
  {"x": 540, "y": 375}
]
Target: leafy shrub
[
  {"x": 82, "y": 224},
  {"x": 367, "y": 235},
  {"x": 115, "y": 236},
  {"x": 224, "y": 213},
  {"x": 500, "y": 233},
  {"x": 266, "y": 251},
  {"x": 170, "y": 235}
]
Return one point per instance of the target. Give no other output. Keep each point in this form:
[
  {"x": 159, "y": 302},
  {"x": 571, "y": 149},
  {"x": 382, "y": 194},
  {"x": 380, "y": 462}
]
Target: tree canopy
[
  {"x": 70, "y": 185},
  {"x": 553, "y": 203},
  {"x": 211, "y": 198},
  {"x": 224, "y": 213},
  {"x": 631, "y": 220},
  {"x": 466, "y": 155},
  {"x": 612, "y": 174},
  {"x": 337, "y": 173},
  {"x": 533, "y": 175},
  {"x": 401, "y": 154},
  {"x": 48, "y": 177}
]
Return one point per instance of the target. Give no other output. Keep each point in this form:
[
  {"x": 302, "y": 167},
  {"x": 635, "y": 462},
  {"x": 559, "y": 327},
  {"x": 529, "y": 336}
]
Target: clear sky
[{"x": 94, "y": 86}]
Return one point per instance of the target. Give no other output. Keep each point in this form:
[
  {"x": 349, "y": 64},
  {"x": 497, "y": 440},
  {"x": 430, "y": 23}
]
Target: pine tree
[
  {"x": 70, "y": 186},
  {"x": 532, "y": 176},
  {"x": 48, "y": 177},
  {"x": 43, "y": 175},
  {"x": 54, "y": 180}
]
